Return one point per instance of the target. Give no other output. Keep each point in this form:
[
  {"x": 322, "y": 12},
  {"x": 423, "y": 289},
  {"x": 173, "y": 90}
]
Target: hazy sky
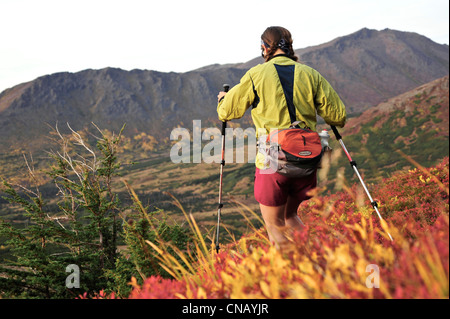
[{"x": 39, "y": 37}]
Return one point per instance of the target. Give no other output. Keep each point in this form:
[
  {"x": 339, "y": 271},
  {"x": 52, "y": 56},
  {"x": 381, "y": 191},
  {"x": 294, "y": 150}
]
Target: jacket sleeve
[
  {"x": 237, "y": 100},
  {"x": 329, "y": 105}
]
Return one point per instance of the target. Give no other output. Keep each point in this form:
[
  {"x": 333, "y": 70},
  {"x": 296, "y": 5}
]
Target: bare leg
[
  {"x": 292, "y": 220},
  {"x": 274, "y": 218},
  {"x": 278, "y": 219}
]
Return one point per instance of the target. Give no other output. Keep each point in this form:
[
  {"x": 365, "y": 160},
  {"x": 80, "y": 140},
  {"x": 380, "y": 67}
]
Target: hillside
[
  {"x": 414, "y": 123},
  {"x": 343, "y": 253},
  {"x": 366, "y": 68},
  {"x": 428, "y": 99},
  {"x": 328, "y": 260}
]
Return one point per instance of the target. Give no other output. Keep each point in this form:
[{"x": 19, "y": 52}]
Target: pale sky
[{"x": 40, "y": 37}]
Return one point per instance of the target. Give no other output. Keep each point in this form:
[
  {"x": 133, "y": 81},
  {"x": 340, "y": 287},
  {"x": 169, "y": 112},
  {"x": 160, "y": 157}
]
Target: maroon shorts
[{"x": 274, "y": 189}]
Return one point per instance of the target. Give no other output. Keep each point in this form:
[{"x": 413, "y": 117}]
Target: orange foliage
[{"x": 330, "y": 258}]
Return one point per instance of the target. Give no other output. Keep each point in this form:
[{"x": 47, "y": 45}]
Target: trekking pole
[
  {"x": 226, "y": 87},
  {"x": 353, "y": 164}
]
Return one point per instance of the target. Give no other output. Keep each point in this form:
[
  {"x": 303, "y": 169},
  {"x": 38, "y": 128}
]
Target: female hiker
[{"x": 268, "y": 88}]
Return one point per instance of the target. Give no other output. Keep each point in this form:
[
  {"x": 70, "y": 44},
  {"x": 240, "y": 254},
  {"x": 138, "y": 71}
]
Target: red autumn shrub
[{"x": 329, "y": 258}]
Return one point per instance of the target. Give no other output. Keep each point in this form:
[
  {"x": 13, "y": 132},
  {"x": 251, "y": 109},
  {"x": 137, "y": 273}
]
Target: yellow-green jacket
[{"x": 263, "y": 88}]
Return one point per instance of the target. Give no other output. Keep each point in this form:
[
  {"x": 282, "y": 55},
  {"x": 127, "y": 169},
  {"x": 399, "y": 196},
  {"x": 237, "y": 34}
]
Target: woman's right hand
[{"x": 221, "y": 95}]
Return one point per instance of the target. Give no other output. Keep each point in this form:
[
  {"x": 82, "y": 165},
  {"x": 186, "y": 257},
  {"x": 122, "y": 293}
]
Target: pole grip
[
  {"x": 336, "y": 133},
  {"x": 226, "y": 88}
]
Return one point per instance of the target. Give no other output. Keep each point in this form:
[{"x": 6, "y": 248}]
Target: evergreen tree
[
  {"x": 82, "y": 232},
  {"x": 69, "y": 247}
]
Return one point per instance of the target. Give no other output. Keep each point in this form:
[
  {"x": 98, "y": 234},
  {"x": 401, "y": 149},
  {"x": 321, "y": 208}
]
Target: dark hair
[{"x": 278, "y": 38}]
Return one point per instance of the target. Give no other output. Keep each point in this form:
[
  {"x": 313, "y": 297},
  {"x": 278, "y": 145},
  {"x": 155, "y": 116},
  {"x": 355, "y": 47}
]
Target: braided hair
[{"x": 275, "y": 38}]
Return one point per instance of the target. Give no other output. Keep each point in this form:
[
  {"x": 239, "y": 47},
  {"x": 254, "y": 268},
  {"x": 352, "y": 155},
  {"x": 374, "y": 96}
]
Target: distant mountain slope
[
  {"x": 415, "y": 123},
  {"x": 430, "y": 101},
  {"x": 147, "y": 101},
  {"x": 366, "y": 68}
]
